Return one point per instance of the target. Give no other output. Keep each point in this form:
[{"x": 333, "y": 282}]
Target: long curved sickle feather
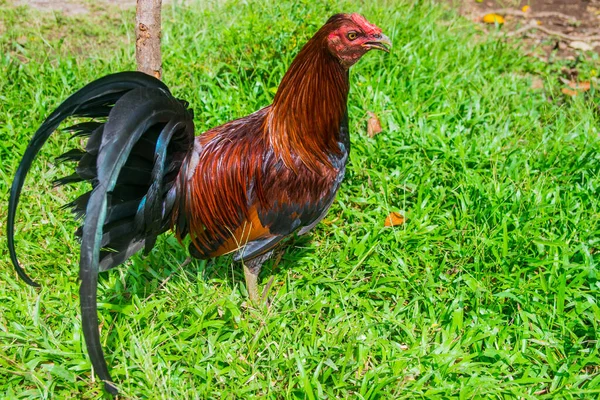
[
  {"x": 88, "y": 274},
  {"x": 92, "y": 96},
  {"x": 131, "y": 117}
]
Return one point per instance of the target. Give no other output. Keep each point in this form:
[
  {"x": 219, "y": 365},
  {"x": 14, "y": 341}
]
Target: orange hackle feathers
[{"x": 309, "y": 106}]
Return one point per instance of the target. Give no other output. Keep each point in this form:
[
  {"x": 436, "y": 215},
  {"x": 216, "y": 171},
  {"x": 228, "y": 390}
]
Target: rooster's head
[{"x": 351, "y": 36}]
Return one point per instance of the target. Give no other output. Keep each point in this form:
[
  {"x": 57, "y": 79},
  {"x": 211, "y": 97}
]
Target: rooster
[{"x": 238, "y": 188}]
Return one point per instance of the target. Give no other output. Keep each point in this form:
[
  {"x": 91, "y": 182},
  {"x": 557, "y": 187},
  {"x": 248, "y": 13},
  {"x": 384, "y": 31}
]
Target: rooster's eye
[{"x": 352, "y": 35}]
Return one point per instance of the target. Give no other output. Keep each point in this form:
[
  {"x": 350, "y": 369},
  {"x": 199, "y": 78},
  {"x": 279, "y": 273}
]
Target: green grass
[{"x": 489, "y": 290}]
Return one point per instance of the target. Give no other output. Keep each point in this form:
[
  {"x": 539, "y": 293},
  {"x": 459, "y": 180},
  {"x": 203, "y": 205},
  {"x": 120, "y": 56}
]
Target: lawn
[{"x": 490, "y": 288}]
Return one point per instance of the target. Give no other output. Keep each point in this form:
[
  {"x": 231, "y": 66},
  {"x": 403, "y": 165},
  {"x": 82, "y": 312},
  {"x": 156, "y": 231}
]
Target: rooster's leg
[{"x": 251, "y": 270}]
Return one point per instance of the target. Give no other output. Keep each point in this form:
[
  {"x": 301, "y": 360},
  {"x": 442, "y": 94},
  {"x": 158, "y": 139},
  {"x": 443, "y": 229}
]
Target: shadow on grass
[{"x": 145, "y": 276}]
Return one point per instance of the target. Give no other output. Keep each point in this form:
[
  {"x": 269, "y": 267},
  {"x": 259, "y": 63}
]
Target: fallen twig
[{"x": 533, "y": 25}]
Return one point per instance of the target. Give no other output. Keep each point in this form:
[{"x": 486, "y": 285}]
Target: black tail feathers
[
  {"x": 94, "y": 100},
  {"x": 139, "y": 135}
]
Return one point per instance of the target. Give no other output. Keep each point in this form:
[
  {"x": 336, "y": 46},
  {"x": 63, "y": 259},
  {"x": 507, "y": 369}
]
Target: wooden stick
[
  {"x": 147, "y": 37},
  {"x": 533, "y": 25}
]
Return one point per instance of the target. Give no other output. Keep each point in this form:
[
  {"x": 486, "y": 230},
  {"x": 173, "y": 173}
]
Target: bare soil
[
  {"x": 71, "y": 7},
  {"x": 553, "y": 28},
  {"x": 557, "y": 28}
]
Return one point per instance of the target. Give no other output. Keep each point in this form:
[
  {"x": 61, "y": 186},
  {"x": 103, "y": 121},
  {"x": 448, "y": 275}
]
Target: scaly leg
[
  {"x": 251, "y": 270},
  {"x": 186, "y": 262}
]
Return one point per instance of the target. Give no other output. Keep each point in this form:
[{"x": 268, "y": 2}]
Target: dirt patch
[
  {"x": 564, "y": 34},
  {"x": 71, "y": 7},
  {"x": 41, "y": 30},
  {"x": 553, "y": 28}
]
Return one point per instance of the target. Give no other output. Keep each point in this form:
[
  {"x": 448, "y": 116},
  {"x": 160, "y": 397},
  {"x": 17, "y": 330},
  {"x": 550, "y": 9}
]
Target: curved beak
[{"x": 380, "y": 42}]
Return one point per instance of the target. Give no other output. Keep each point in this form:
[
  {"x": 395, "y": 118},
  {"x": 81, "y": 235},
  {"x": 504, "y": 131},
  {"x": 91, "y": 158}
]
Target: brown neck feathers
[{"x": 309, "y": 106}]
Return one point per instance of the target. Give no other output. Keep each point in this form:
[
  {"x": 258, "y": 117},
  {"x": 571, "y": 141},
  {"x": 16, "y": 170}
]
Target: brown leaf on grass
[
  {"x": 537, "y": 83},
  {"x": 493, "y": 19},
  {"x": 576, "y": 88},
  {"x": 582, "y": 86},
  {"x": 394, "y": 219},
  {"x": 569, "y": 92},
  {"x": 373, "y": 124}
]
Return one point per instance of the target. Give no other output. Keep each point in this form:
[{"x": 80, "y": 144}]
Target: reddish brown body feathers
[{"x": 259, "y": 178}]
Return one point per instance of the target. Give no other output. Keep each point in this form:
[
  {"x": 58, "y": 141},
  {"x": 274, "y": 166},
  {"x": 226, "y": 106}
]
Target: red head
[{"x": 351, "y": 36}]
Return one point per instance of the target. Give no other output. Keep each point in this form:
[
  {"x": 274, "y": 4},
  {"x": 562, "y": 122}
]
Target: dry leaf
[
  {"x": 394, "y": 219},
  {"x": 493, "y": 19},
  {"x": 537, "y": 83},
  {"x": 583, "y": 46},
  {"x": 373, "y": 125},
  {"x": 582, "y": 86},
  {"x": 525, "y": 9},
  {"x": 569, "y": 92}
]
